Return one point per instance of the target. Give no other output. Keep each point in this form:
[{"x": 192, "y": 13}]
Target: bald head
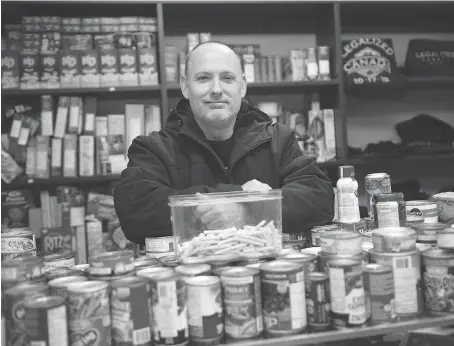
[{"x": 208, "y": 47}]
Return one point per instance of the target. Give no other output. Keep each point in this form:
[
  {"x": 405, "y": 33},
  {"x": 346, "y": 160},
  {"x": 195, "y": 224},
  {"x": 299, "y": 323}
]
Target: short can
[
  {"x": 379, "y": 292},
  {"x": 61, "y": 272},
  {"x": 155, "y": 272},
  {"x": 341, "y": 243},
  {"x": 389, "y": 210},
  {"x": 407, "y": 281},
  {"x": 59, "y": 286},
  {"x": 348, "y": 305},
  {"x": 112, "y": 263},
  {"x": 309, "y": 262},
  {"x": 445, "y": 239},
  {"x": 193, "y": 269},
  {"x": 394, "y": 239},
  {"x": 46, "y": 321},
  {"x": 17, "y": 242},
  {"x": 323, "y": 258},
  {"x": 22, "y": 269},
  {"x": 376, "y": 183},
  {"x": 318, "y": 302},
  {"x": 428, "y": 232},
  {"x": 131, "y": 311},
  {"x": 160, "y": 244},
  {"x": 14, "y": 299},
  {"x": 284, "y": 300},
  {"x": 146, "y": 263},
  {"x": 89, "y": 313},
  {"x": 242, "y": 303},
  {"x": 438, "y": 277},
  {"x": 427, "y": 209},
  {"x": 205, "y": 310},
  {"x": 319, "y": 230},
  {"x": 169, "y": 306},
  {"x": 355, "y": 227},
  {"x": 65, "y": 259}
]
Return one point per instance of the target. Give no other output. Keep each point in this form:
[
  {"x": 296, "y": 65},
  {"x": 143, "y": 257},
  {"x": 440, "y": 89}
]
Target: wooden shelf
[
  {"x": 23, "y": 182},
  {"x": 82, "y": 91}
]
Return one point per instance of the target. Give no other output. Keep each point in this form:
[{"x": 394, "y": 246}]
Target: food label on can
[
  {"x": 427, "y": 210},
  {"x": 379, "y": 291},
  {"x": 284, "y": 307},
  {"x": 439, "y": 288},
  {"x": 170, "y": 324},
  {"x": 347, "y": 295},
  {"x": 17, "y": 244},
  {"x": 57, "y": 327},
  {"x": 164, "y": 244},
  {"x": 405, "y": 281},
  {"x": 375, "y": 185},
  {"x": 317, "y": 303},
  {"x": 243, "y": 311},
  {"x": 205, "y": 313},
  {"x": 64, "y": 262},
  {"x": 387, "y": 214}
]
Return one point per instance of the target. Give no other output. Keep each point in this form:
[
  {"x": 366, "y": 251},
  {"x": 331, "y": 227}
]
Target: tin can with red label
[
  {"x": 89, "y": 313},
  {"x": 15, "y": 298},
  {"x": 46, "y": 321},
  {"x": 131, "y": 311}
]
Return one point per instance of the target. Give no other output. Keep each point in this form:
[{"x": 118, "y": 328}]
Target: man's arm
[
  {"x": 308, "y": 196},
  {"x": 141, "y": 197}
]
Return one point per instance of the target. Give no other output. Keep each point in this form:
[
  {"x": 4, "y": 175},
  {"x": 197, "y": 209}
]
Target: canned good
[
  {"x": 254, "y": 265},
  {"x": 438, "y": 276},
  {"x": 12, "y": 255},
  {"x": 169, "y": 261},
  {"x": 355, "y": 227},
  {"x": 112, "y": 263},
  {"x": 341, "y": 243},
  {"x": 151, "y": 273},
  {"x": 60, "y": 272},
  {"x": 109, "y": 278},
  {"x": 218, "y": 270},
  {"x": 89, "y": 313},
  {"x": 318, "y": 230},
  {"x": 318, "y": 301},
  {"x": 389, "y": 210},
  {"x": 65, "y": 259},
  {"x": 309, "y": 262},
  {"x": 407, "y": 281},
  {"x": 221, "y": 260},
  {"x": 376, "y": 183},
  {"x": 423, "y": 247},
  {"x": 205, "y": 310},
  {"x": 428, "y": 232},
  {"x": 46, "y": 321},
  {"x": 22, "y": 269},
  {"x": 312, "y": 250},
  {"x": 242, "y": 303},
  {"x": 323, "y": 259},
  {"x": 348, "y": 303},
  {"x": 394, "y": 239},
  {"x": 252, "y": 257},
  {"x": 284, "y": 300},
  {"x": 194, "y": 269},
  {"x": 169, "y": 306},
  {"x": 426, "y": 209},
  {"x": 14, "y": 300},
  {"x": 160, "y": 244},
  {"x": 379, "y": 292},
  {"x": 82, "y": 267},
  {"x": 445, "y": 206},
  {"x": 158, "y": 255},
  {"x": 146, "y": 263},
  {"x": 131, "y": 311},
  {"x": 58, "y": 286},
  {"x": 13, "y": 242},
  {"x": 295, "y": 245},
  {"x": 445, "y": 239},
  {"x": 414, "y": 220}
]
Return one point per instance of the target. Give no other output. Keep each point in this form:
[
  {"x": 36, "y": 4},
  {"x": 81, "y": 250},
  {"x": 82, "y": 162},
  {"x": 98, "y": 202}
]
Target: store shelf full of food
[{"x": 25, "y": 182}]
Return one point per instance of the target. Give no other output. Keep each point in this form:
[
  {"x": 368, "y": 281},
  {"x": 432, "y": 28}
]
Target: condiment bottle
[{"x": 347, "y": 195}]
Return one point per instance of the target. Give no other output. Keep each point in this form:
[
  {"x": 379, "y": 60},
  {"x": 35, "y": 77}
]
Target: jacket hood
[{"x": 246, "y": 115}]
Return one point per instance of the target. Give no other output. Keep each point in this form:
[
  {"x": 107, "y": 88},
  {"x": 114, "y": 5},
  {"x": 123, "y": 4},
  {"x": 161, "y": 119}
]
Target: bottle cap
[{"x": 346, "y": 171}]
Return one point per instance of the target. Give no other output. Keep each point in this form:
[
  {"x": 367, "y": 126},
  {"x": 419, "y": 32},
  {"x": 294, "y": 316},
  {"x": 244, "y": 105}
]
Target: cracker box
[
  {"x": 29, "y": 71},
  {"x": 128, "y": 67},
  {"x": 50, "y": 77},
  {"x": 69, "y": 68},
  {"x": 10, "y": 69},
  {"x": 56, "y": 240},
  {"x": 148, "y": 72},
  {"x": 108, "y": 59},
  {"x": 89, "y": 69}
]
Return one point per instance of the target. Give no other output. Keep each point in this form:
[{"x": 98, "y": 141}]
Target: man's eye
[
  {"x": 202, "y": 78},
  {"x": 228, "y": 78}
]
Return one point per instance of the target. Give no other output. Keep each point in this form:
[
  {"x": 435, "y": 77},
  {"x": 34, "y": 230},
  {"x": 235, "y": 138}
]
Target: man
[{"x": 214, "y": 142}]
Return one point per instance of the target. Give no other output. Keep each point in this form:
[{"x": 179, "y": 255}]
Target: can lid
[
  {"x": 239, "y": 272},
  {"x": 17, "y": 233},
  {"x": 130, "y": 281},
  {"x": 87, "y": 286},
  {"x": 155, "y": 272},
  {"x": 438, "y": 226},
  {"x": 438, "y": 254},
  {"x": 203, "y": 280},
  {"x": 389, "y": 197},
  {"x": 64, "y": 281},
  {"x": 193, "y": 269},
  {"x": 343, "y": 262},
  {"x": 24, "y": 287},
  {"x": 23, "y": 261},
  {"x": 59, "y": 256},
  {"x": 376, "y": 268},
  {"x": 298, "y": 256},
  {"x": 44, "y": 302},
  {"x": 281, "y": 266},
  {"x": 346, "y": 171},
  {"x": 317, "y": 276}
]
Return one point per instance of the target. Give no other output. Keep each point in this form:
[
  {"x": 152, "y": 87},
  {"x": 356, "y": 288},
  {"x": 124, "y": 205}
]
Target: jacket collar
[{"x": 250, "y": 129}]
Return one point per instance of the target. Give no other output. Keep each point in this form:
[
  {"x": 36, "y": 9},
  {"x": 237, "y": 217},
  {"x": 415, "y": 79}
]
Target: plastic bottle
[{"x": 347, "y": 195}]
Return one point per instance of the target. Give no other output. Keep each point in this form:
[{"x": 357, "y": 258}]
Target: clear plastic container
[{"x": 226, "y": 226}]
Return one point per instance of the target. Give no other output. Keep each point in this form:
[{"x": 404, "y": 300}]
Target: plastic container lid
[
  {"x": 346, "y": 171},
  {"x": 389, "y": 197}
]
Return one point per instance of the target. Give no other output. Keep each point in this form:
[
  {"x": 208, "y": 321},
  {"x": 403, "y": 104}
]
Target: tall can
[
  {"x": 205, "y": 310},
  {"x": 89, "y": 313},
  {"x": 309, "y": 262},
  {"x": 46, "y": 321},
  {"x": 169, "y": 310},
  {"x": 376, "y": 183},
  {"x": 242, "y": 302},
  {"x": 14, "y": 299},
  {"x": 318, "y": 301},
  {"x": 348, "y": 303},
  {"x": 284, "y": 300},
  {"x": 131, "y": 311},
  {"x": 379, "y": 292}
]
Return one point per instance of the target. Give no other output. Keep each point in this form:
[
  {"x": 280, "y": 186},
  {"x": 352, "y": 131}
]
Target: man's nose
[{"x": 216, "y": 87}]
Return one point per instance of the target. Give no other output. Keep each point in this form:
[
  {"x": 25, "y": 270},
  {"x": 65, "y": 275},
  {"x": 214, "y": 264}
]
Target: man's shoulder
[
  {"x": 158, "y": 142},
  {"x": 281, "y": 134}
]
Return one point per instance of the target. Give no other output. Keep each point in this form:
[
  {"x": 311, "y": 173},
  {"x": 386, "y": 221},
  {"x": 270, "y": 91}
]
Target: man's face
[{"x": 214, "y": 85}]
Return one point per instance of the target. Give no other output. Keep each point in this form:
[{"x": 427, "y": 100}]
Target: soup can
[{"x": 376, "y": 183}]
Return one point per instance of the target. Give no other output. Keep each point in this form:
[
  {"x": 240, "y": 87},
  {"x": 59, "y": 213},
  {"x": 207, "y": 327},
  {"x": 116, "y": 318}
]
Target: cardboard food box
[
  {"x": 69, "y": 68},
  {"x": 29, "y": 71},
  {"x": 128, "y": 67},
  {"x": 10, "y": 69},
  {"x": 70, "y": 155},
  {"x": 148, "y": 71},
  {"x": 56, "y": 240},
  {"x": 15, "y": 206},
  {"x": 50, "y": 77},
  {"x": 86, "y": 156},
  {"x": 108, "y": 59},
  {"x": 171, "y": 63},
  {"x": 89, "y": 69}
]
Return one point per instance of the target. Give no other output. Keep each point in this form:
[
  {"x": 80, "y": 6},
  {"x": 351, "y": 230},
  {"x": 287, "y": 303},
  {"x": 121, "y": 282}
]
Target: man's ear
[
  {"x": 243, "y": 86},
  {"x": 184, "y": 86}
]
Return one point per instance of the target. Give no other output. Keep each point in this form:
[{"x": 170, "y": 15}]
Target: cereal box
[
  {"x": 29, "y": 71},
  {"x": 148, "y": 73},
  {"x": 69, "y": 68},
  {"x": 10, "y": 69},
  {"x": 49, "y": 77},
  {"x": 89, "y": 69},
  {"x": 109, "y": 67},
  {"x": 128, "y": 67}
]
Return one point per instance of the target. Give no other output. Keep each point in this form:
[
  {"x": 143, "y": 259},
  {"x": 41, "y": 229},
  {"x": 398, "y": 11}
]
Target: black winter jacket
[{"x": 179, "y": 160}]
